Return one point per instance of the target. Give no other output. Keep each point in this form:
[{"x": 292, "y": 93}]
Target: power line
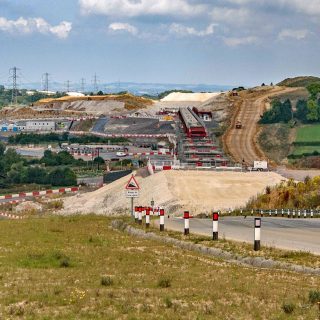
[
  {"x": 67, "y": 84},
  {"x": 45, "y": 81},
  {"x": 14, "y": 76},
  {"x": 83, "y": 82},
  {"x": 95, "y": 83}
]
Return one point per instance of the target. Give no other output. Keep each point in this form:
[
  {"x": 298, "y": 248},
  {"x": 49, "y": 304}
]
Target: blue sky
[{"x": 236, "y": 42}]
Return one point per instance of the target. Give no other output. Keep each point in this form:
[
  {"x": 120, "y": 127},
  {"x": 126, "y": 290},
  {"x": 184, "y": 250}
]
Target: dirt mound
[
  {"x": 28, "y": 207},
  {"x": 180, "y": 96},
  {"x": 106, "y": 104},
  {"x": 195, "y": 191}
]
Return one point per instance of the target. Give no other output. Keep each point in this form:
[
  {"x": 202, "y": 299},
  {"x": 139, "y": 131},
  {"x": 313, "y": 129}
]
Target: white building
[{"x": 40, "y": 125}]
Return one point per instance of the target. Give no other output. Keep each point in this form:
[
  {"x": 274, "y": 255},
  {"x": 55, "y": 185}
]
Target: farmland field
[
  {"x": 77, "y": 267},
  {"x": 309, "y": 133}
]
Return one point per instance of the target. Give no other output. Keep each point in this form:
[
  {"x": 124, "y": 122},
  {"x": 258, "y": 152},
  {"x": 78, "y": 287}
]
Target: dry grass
[{"x": 55, "y": 268}]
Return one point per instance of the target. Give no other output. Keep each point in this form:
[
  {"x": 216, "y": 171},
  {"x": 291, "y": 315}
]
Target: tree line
[
  {"x": 14, "y": 169},
  {"x": 307, "y": 111},
  {"x": 34, "y": 138}
]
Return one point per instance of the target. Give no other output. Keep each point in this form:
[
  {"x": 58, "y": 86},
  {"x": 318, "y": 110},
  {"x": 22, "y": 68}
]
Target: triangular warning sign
[{"x": 132, "y": 184}]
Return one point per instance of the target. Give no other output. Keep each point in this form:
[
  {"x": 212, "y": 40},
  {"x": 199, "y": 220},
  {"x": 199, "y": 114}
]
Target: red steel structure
[{"x": 192, "y": 124}]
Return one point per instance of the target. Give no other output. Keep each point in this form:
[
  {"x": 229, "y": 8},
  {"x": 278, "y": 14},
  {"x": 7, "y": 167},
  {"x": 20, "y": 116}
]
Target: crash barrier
[
  {"x": 39, "y": 193},
  {"x": 287, "y": 213},
  {"x": 139, "y": 211}
]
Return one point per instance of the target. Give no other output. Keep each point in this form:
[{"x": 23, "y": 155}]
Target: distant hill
[{"x": 299, "y": 81}]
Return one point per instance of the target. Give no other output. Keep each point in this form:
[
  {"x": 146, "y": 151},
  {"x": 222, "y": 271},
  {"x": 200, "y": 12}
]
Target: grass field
[
  {"x": 79, "y": 268},
  {"x": 309, "y": 133}
]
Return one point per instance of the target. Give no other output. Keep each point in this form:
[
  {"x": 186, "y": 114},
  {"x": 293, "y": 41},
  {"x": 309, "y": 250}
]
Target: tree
[
  {"x": 2, "y": 149},
  {"x": 62, "y": 177},
  {"x": 36, "y": 175},
  {"x": 302, "y": 111},
  {"x": 10, "y": 158},
  {"x": 313, "y": 111},
  {"x": 64, "y": 158},
  {"x": 17, "y": 173},
  {"x": 314, "y": 90}
]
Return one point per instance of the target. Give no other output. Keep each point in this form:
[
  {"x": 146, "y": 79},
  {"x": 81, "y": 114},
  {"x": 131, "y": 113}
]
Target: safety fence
[{"x": 39, "y": 193}]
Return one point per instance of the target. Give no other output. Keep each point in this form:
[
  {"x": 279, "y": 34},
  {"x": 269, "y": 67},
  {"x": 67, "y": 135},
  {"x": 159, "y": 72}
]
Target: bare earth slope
[
  {"x": 241, "y": 144},
  {"x": 195, "y": 191}
]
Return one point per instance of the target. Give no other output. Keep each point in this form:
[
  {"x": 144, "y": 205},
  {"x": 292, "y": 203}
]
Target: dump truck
[{"x": 238, "y": 125}]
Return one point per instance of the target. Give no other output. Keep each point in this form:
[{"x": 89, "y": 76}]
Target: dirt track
[{"x": 241, "y": 143}]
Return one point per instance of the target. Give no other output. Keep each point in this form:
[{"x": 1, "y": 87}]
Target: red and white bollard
[
  {"x": 215, "y": 221},
  {"x": 186, "y": 223},
  {"x": 148, "y": 218},
  {"x": 136, "y": 214},
  {"x": 140, "y": 215},
  {"x": 257, "y": 234},
  {"x": 161, "y": 219}
]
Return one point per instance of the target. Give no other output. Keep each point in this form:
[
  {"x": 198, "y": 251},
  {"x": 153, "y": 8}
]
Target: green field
[
  {"x": 79, "y": 268},
  {"x": 299, "y": 150},
  {"x": 309, "y": 133}
]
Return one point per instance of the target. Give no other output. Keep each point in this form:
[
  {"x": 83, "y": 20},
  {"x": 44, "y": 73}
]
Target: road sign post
[{"x": 132, "y": 191}]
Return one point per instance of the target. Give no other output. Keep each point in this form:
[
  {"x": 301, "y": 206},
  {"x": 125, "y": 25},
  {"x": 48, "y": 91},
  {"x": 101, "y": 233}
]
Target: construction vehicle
[
  {"x": 259, "y": 166},
  {"x": 238, "y": 125}
]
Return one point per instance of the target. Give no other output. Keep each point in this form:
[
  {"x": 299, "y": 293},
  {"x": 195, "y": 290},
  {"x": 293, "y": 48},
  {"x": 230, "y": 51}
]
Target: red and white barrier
[
  {"x": 148, "y": 217},
  {"x": 161, "y": 219},
  {"x": 39, "y": 193},
  {"x": 11, "y": 216},
  {"x": 186, "y": 222}
]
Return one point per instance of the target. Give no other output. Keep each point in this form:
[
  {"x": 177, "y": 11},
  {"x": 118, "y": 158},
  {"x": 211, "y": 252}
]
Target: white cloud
[
  {"x": 234, "y": 42},
  {"x": 233, "y": 16},
  {"x": 31, "y": 25},
  {"x": 182, "y": 30},
  {"x": 118, "y": 26},
  {"x": 130, "y": 8},
  {"x": 295, "y": 34}
]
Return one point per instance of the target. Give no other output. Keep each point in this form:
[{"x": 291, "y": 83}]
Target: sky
[{"x": 224, "y": 42}]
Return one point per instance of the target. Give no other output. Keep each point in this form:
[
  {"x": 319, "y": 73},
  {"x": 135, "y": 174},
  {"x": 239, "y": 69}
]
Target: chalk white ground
[
  {"x": 180, "y": 96},
  {"x": 195, "y": 191}
]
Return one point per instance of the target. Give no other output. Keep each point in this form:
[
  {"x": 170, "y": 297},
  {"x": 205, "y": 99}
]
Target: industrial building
[
  {"x": 37, "y": 125},
  {"x": 192, "y": 124}
]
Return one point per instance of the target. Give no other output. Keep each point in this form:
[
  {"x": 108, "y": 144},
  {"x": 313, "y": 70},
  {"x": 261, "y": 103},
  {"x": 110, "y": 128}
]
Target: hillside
[
  {"x": 96, "y": 104},
  {"x": 303, "y": 81},
  {"x": 289, "y": 194}
]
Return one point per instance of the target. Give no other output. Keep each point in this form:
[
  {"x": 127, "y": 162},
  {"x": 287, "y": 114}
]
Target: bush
[
  {"x": 314, "y": 296},
  {"x": 164, "y": 282},
  {"x": 288, "y": 308},
  {"x": 65, "y": 263},
  {"x": 168, "y": 302},
  {"x": 106, "y": 281}
]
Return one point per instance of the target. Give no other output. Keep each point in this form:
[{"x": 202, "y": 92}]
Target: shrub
[
  {"x": 164, "y": 282},
  {"x": 288, "y": 308},
  {"x": 65, "y": 263},
  {"x": 168, "y": 302},
  {"x": 106, "y": 281},
  {"x": 314, "y": 296}
]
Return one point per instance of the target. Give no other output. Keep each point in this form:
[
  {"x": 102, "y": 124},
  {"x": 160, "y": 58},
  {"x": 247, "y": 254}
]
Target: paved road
[{"x": 293, "y": 234}]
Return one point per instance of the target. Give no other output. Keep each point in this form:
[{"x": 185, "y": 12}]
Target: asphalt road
[{"x": 293, "y": 234}]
